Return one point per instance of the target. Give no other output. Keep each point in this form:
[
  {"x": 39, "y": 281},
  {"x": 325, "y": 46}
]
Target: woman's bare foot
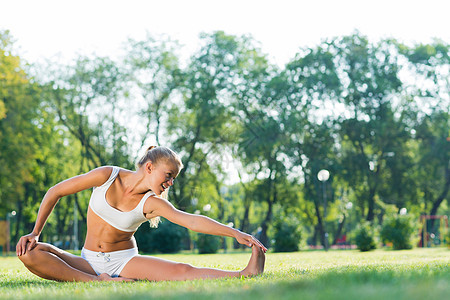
[
  {"x": 256, "y": 264},
  {"x": 106, "y": 277}
]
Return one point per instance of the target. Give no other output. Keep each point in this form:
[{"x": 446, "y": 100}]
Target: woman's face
[{"x": 162, "y": 176}]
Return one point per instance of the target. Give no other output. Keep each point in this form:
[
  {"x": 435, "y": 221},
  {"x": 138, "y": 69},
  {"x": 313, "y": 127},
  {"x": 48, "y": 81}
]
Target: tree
[
  {"x": 203, "y": 124},
  {"x": 19, "y": 130},
  {"x": 372, "y": 135},
  {"x": 29, "y": 140},
  {"x": 261, "y": 138},
  {"x": 431, "y": 89},
  {"x": 434, "y": 159},
  {"x": 155, "y": 71},
  {"x": 89, "y": 100},
  {"x": 311, "y": 84}
]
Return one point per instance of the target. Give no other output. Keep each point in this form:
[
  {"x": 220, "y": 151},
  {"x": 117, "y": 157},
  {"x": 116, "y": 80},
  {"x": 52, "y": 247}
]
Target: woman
[{"x": 120, "y": 202}]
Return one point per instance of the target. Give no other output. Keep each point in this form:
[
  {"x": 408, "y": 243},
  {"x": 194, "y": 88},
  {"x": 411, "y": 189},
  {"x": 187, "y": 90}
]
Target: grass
[{"x": 381, "y": 274}]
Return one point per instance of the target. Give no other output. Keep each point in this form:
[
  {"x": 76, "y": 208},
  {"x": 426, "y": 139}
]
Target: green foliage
[
  {"x": 92, "y": 90},
  {"x": 167, "y": 238},
  {"x": 26, "y": 136},
  {"x": 2, "y": 110},
  {"x": 207, "y": 243},
  {"x": 275, "y": 124},
  {"x": 365, "y": 237},
  {"x": 287, "y": 234},
  {"x": 398, "y": 230},
  {"x": 156, "y": 74}
]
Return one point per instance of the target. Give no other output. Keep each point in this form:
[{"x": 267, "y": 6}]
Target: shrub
[
  {"x": 167, "y": 238},
  {"x": 144, "y": 238},
  {"x": 207, "y": 243},
  {"x": 398, "y": 229},
  {"x": 287, "y": 235},
  {"x": 365, "y": 237}
]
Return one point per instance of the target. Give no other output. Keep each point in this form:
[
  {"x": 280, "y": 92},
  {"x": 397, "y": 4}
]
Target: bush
[
  {"x": 398, "y": 229},
  {"x": 365, "y": 237},
  {"x": 287, "y": 235},
  {"x": 207, "y": 243},
  {"x": 167, "y": 238}
]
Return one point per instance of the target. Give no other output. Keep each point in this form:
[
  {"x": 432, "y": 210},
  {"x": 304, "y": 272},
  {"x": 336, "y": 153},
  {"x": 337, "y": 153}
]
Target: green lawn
[{"x": 349, "y": 274}]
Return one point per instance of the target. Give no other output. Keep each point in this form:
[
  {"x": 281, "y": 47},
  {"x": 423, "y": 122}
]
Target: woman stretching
[{"x": 121, "y": 201}]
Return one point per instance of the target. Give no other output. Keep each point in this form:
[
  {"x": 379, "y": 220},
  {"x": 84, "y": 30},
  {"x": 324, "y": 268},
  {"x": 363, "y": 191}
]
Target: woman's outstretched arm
[
  {"x": 199, "y": 223},
  {"x": 70, "y": 186}
]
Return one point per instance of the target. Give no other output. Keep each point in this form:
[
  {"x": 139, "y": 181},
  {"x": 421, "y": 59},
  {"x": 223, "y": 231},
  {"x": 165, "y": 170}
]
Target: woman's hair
[{"x": 158, "y": 154}]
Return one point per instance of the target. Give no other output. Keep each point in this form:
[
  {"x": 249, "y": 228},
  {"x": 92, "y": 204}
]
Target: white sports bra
[{"x": 128, "y": 221}]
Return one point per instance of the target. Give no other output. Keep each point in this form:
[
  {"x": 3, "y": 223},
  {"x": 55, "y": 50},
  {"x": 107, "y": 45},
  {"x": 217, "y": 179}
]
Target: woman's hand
[
  {"x": 249, "y": 240},
  {"x": 26, "y": 243}
]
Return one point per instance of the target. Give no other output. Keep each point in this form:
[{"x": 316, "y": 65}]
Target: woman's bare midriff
[{"x": 102, "y": 237}]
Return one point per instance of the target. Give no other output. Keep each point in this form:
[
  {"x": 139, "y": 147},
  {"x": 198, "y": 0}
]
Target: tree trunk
[
  {"x": 315, "y": 235},
  {"x": 81, "y": 213},
  {"x": 270, "y": 201},
  {"x": 265, "y": 224},
  {"x": 371, "y": 202},
  {"x": 441, "y": 197},
  {"x": 244, "y": 223},
  {"x": 339, "y": 231},
  {"x": 320, "y": 226},
  {"x": 372, "y": 191},
  {"x": 247, "y": 203},
  {"x": 179, "y": 197},
  {"x": 18, "y": 221}
]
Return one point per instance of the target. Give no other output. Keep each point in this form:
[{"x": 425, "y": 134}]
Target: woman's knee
[
  {"x": 30, "y": 256},
  {"x": 183, "y": 268}
]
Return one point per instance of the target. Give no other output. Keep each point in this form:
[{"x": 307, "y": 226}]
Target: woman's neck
[{"x": 134, "y": 182}]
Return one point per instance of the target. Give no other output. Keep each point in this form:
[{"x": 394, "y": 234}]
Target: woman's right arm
[{"x": 70, "y": 186}]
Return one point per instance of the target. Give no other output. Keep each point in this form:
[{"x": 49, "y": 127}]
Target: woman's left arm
[{"x": 201, "y": 223}]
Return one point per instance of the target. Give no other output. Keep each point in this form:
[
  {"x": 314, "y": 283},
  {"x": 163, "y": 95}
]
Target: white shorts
[{"x": 111, "y": 263}]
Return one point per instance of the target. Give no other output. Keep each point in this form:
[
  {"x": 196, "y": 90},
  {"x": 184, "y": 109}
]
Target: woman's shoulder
[
  {"x": 109, "y": 169},
  {"x": 107, "y": 173},
  {"x": 103, "y": 173},
  {"x": 93, "y": 178}
]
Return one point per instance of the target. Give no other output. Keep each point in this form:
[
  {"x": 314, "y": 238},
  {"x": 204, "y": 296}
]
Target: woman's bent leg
[
  {"x": 156, "y": 269},
  {"x": 50, "y": 262}
]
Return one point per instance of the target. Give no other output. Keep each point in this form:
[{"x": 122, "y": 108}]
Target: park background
[{"x": 254, "y": 121}]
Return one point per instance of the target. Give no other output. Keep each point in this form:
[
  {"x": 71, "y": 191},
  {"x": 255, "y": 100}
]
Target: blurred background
[{"x": 320, "y": 125}]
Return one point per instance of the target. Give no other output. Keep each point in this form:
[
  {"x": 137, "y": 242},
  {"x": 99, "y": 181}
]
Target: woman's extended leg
[
  {"x": 156, "y": 269},
  {"x": 50, "y": 262}
]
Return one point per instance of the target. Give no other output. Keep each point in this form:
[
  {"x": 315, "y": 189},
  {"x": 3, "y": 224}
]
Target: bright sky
[{"x": 45, "y": 28}]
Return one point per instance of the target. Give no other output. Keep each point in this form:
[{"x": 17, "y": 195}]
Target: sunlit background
[
  {"x": 47, "y": 28},
  {"x": 320, "y": 138}
]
